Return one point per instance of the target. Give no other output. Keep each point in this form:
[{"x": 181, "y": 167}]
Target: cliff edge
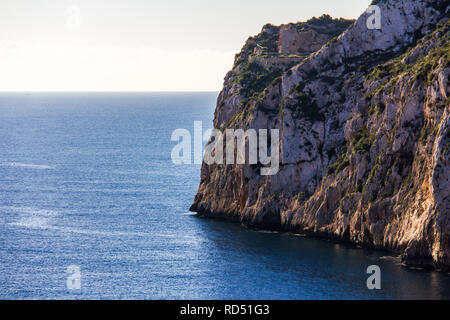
[{"x": 363, "y": 116}]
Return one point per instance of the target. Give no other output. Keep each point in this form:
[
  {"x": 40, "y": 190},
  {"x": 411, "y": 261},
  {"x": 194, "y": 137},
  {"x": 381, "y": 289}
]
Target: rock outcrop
[{"x": 364, "y": 123}]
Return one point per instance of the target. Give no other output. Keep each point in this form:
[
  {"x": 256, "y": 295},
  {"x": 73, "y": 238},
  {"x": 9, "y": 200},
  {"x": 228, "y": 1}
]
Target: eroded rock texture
[{"x": 364, "y": 137}]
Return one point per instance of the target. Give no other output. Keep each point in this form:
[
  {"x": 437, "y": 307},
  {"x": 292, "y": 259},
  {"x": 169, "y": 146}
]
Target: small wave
[
  {"x": 43, "y": 223},
  {"x": 37, "y": 218},
  {"x": 28, "y": 165},
  {"x": 267, "y": 231},
  {"x": 32, "y": 217},
  {"x": 98, "y": 232},
  {"x": 189, "y": 214},
  {"x": 299, "y": 235},
  {"x": 32, "y": 222}
]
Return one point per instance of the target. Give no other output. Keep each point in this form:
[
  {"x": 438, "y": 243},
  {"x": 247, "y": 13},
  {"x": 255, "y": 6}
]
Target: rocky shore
[{"x": 364, "y": 123}]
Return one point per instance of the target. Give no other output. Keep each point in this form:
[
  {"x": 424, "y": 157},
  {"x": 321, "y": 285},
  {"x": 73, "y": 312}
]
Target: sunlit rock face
[{"x": 363, "y": 116}]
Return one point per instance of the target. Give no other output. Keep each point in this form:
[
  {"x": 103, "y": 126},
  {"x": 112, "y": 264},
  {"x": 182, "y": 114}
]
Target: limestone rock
[{"x": 364, "y": 131}]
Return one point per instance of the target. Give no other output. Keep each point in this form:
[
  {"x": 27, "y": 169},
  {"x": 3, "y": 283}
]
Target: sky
[{"x": 137, "y": 45}]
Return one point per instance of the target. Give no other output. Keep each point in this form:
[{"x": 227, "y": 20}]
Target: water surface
[{"x": 87, "y": 180}]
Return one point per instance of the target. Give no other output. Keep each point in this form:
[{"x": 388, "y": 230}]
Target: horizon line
[{"x": 110, "y": 91}]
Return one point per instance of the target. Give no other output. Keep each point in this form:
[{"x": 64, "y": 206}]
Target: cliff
[{"x": 363, "y": 116}]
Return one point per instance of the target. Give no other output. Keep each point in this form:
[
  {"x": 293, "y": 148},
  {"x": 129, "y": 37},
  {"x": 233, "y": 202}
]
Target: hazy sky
[{"x": 137, "y": 45}]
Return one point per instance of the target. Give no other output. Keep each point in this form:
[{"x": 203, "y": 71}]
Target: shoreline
[{"x": 414, "y": 263}]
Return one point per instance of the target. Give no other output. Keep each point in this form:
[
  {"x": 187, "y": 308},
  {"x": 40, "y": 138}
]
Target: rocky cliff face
[{"x": 364, "y": 137}]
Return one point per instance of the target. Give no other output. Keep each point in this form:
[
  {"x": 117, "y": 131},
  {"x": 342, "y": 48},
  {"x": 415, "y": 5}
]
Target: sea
[{"x": 92, "y": 207}]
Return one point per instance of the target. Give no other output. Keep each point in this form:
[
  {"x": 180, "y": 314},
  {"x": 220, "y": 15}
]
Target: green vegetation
[
  {"x": 340, "y": 164},
  {"x": 243, "y": 114},
  {"x": 363, "y": 141},
  {"x": 388, "y": 69},
  {"x": 254, "y": 78},
  {"x": 375, "y": 2},
  {"x": 371, "y": 176},
  {"x": 406, "y": 180},
  {"x": 325, "y": 24},
  {"x": 427, "y": 132},
  {"x": 374, "y": 169},
  {"x": 267, "y": 40},
  {"x": 422, "y": 68}
]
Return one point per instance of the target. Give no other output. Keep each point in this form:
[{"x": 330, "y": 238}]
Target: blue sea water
[{"x": 86, "y": 179}]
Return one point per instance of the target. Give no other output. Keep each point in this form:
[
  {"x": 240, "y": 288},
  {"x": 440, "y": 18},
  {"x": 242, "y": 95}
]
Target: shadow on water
[{"x": 306, "y": 268}]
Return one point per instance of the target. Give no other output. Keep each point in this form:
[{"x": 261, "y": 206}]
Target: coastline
[
  {"x": 363, "y": 133},
  {"x": 419, "y": 263}
]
